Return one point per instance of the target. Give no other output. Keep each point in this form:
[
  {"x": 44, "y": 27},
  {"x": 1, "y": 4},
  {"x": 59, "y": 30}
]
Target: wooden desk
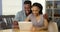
[
  {"x": 6, "y": 30},
  {"x": 17, "y": 30}
]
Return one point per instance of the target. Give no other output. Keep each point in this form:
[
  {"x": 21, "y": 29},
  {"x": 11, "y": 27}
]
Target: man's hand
[{"x": 15, "y": 25}]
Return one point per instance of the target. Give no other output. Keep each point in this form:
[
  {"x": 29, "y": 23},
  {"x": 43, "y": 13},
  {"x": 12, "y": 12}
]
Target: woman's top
[{"x": 36, "y": 23}]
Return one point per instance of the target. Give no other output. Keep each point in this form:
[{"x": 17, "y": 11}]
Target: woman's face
[{"x": 35, "y": 10}]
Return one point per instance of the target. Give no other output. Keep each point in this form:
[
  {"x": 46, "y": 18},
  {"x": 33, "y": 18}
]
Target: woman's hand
[{"x": 33, "y": 29}]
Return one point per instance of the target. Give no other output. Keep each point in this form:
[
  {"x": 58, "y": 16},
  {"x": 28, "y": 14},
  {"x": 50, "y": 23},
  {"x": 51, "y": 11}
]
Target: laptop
[{"x": 25, "y": 26}]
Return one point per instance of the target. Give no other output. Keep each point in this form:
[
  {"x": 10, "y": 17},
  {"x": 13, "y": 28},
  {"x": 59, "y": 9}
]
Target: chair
[
  {"x": 52, "y": 27},
  {"x": 6, "y": 21}
]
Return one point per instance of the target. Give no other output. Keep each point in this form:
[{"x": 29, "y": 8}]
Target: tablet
[{"x": 25, "y": 25}]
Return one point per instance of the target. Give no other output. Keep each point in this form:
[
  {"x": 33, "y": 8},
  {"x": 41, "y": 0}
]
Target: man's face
[{"x": 27, "y": 8}]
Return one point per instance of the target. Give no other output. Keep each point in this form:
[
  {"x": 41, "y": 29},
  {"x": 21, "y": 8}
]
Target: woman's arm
[
  {"x": 45, "y": 25},
  {"x": 27, "y": 19}
]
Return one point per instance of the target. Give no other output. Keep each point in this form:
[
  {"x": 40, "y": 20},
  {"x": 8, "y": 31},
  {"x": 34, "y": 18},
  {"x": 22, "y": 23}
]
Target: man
[{"x": 21, "y": 15}]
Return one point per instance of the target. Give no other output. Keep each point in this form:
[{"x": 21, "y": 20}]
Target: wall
[
  {"x": 0, "y": 7},
  {"x": 11, "y": 7}
]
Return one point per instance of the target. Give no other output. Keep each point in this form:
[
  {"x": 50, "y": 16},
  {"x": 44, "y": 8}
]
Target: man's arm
[
  {"x": 17, "y": 17},
  {"x": 15, "y": 21}
]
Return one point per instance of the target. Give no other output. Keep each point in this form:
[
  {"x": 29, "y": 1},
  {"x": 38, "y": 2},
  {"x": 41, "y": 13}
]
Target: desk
[
  {"x": 6, "y": 30},
  {"x": 17, "y": 30}
]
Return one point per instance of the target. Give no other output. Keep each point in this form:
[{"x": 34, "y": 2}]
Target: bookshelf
[{"x": 53, "y": 9}]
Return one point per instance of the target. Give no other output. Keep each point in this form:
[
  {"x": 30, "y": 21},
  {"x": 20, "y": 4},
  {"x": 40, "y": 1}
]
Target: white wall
[
  {"x": 11, "y": 7},
  {"x": 42, "y": 2},
  {"x": 0, "y": 7}
]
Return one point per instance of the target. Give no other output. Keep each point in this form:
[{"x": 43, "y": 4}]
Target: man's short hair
[{"x": 27, "y": 2}]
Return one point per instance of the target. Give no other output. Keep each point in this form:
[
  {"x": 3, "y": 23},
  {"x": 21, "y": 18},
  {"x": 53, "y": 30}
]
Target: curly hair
[{"x": 27, "y": 2}]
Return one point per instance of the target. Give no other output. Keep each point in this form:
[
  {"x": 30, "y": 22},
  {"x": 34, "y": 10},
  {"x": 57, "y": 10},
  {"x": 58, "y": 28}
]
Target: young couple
[{"x": 34, "y": 14}]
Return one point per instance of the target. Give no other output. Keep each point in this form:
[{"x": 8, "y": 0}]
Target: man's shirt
[{"x": 20, "y": 16}]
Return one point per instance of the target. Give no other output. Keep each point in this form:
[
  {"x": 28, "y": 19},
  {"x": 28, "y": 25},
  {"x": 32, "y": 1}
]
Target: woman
[{"x": 36, "y": 17}]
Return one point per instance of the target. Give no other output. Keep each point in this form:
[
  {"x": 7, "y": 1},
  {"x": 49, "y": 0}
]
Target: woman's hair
[{"x": 38, "y": 5}]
